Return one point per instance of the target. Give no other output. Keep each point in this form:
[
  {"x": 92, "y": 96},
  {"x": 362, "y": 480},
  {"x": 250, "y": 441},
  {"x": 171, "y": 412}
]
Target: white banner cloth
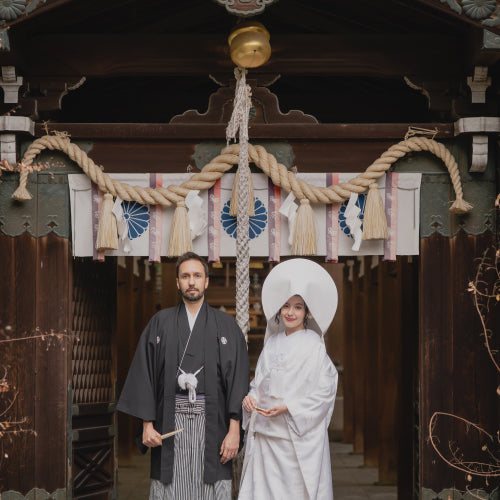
[{"x": 136, "y": 218}]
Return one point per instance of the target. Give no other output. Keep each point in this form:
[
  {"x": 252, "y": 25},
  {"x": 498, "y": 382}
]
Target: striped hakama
[{"x": 187, "y": 482}]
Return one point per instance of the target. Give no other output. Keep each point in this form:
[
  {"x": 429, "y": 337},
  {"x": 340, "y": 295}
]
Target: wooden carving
[
  {"x": 245, "y": 8},
  {"x": 265, "y": 109}
]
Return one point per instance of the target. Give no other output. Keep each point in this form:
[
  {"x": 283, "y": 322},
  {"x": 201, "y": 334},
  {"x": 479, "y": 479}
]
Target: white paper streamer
[
  {"x": 289, "y": 210},
  {"x": 196, "y": 214},
  {"x": 353, "y": 221}
]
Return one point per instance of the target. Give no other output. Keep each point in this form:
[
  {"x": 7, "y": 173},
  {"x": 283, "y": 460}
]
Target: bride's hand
[
  {"x": 249, "y": 403},
  {"x": 275, "y": 411}
]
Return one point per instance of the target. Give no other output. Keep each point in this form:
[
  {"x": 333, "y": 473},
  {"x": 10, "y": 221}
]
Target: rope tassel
[
  {"x": 304, "y": 231},
  {"x": 22, "y": 193},
  {"x": 180, "y": 235},
  {"x": 460, "y": 206},
  {"x": 107, "y": 232},
  {"x": 374, "y": 221}
]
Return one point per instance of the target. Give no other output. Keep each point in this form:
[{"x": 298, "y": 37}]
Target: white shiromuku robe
[{"x": 288, "y": 456}]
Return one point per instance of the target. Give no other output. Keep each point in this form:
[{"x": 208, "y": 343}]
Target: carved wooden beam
[
  {"x": 388, "y": 56},
  {"x": 45, "y": 94},
  {"x": 308, "y": 131}
]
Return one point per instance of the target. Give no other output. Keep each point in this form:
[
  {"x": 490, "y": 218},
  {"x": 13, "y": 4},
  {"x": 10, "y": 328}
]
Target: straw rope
[{"x": 214, "y": 170}]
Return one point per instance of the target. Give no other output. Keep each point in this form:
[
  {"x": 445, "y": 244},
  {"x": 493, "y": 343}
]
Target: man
[{"x": 190, "y": 371}]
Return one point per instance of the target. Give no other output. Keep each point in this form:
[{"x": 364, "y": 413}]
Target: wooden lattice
[{"x": 93, "y": 319}]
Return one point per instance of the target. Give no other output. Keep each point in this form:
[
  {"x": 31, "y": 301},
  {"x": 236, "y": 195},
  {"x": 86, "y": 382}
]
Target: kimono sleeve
[
  {"x": 305, "y": 413},
  {"x": 236, "y": 370},
  {"x": 138, "y": 397}
]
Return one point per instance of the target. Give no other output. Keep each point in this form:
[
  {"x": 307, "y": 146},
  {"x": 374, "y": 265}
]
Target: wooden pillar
[
  {"x": 348, "y": 354},
  {"x": 334, "y": 340},
  {"x": 169, "y": 292},
  {"x": 389, "y": 369},
  {"x": 53, "y": 313},
  {"x": 370, "y": 349},
  {"x": 358, "y": 368},
  {"x": 125, "y": 351},
  {"x": 408, "y": 442}
]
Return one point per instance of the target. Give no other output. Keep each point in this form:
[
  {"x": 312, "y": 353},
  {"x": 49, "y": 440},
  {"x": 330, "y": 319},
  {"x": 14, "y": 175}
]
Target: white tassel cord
[
  {"x": 188, "y": 381},
  {"x": 238, "y": 124}
]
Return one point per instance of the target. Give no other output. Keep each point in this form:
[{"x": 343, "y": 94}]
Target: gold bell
[{"x": 249, "y": 45}]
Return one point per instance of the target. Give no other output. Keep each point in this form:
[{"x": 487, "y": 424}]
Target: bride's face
[{"x": 293, "y": 313}]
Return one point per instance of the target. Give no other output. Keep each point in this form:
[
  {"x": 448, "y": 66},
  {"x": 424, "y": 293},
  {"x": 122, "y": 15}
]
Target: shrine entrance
[{"x": 373, "y": 341}]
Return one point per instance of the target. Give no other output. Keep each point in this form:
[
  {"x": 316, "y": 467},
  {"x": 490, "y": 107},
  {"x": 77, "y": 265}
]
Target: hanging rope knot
[
  {"x": 304, "y": 200},
  {"x": 188, "y": 381}
]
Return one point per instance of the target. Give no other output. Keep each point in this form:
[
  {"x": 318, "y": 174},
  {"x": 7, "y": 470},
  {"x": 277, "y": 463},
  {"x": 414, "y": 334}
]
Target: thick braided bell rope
[
  {"x": 214, "y": 170},
  {"x": 239, "y": 124}
]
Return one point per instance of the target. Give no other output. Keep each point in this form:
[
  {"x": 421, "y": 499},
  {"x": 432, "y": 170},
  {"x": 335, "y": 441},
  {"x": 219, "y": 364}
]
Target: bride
[{"x": 291, "y": 399}]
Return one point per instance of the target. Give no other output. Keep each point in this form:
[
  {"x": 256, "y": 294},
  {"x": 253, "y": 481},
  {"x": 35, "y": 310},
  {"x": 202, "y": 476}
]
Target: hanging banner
[{"x": 268, "y": 230}]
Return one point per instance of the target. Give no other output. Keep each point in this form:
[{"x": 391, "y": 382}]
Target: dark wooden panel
[
  {"x": 456, "y": 375},
  {"x": 474, "y": 384},
  {"x": 17, "y": 321},
  {"x": 344, "y": 55},
  {"x": 370, "y": 347},
  {"x": 52, "y": 362}
]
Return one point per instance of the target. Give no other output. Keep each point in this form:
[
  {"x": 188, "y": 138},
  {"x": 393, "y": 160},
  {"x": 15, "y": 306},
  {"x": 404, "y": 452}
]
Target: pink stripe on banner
[
  {"x": 274, "y": 205},
  {"x": 155, "y": 222},
  {"x": 214, "y": 222},
  {"x": 391, "y": 212},
  {"x": 97, "y": 198},
  {"x": 332, "y": 224}
]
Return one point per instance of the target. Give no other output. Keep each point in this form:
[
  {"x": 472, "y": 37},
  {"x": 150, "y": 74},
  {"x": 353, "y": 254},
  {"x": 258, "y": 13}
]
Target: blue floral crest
[
  {"x": 360, "y": 203},
  {"x": 257, "y": 222},
  {"x": 136, "y": 216}
]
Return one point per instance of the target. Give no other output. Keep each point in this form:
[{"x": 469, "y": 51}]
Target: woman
[{"x": 290, "y": 404}]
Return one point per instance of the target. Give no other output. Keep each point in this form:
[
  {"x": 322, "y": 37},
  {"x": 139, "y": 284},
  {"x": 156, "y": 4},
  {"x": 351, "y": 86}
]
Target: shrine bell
[{"x": 249, "y": 45}]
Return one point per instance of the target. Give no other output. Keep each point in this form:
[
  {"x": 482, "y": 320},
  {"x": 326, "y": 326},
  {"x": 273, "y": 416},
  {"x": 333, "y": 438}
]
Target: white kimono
[{"x": 288, "y": 457}]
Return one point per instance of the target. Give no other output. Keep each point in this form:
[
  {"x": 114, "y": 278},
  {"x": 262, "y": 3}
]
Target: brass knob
[{"x": 249, "y": 45}]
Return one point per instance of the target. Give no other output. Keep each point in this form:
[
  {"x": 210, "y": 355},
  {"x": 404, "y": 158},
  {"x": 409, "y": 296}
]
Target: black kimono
[{"x": 151, "y": 384}]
